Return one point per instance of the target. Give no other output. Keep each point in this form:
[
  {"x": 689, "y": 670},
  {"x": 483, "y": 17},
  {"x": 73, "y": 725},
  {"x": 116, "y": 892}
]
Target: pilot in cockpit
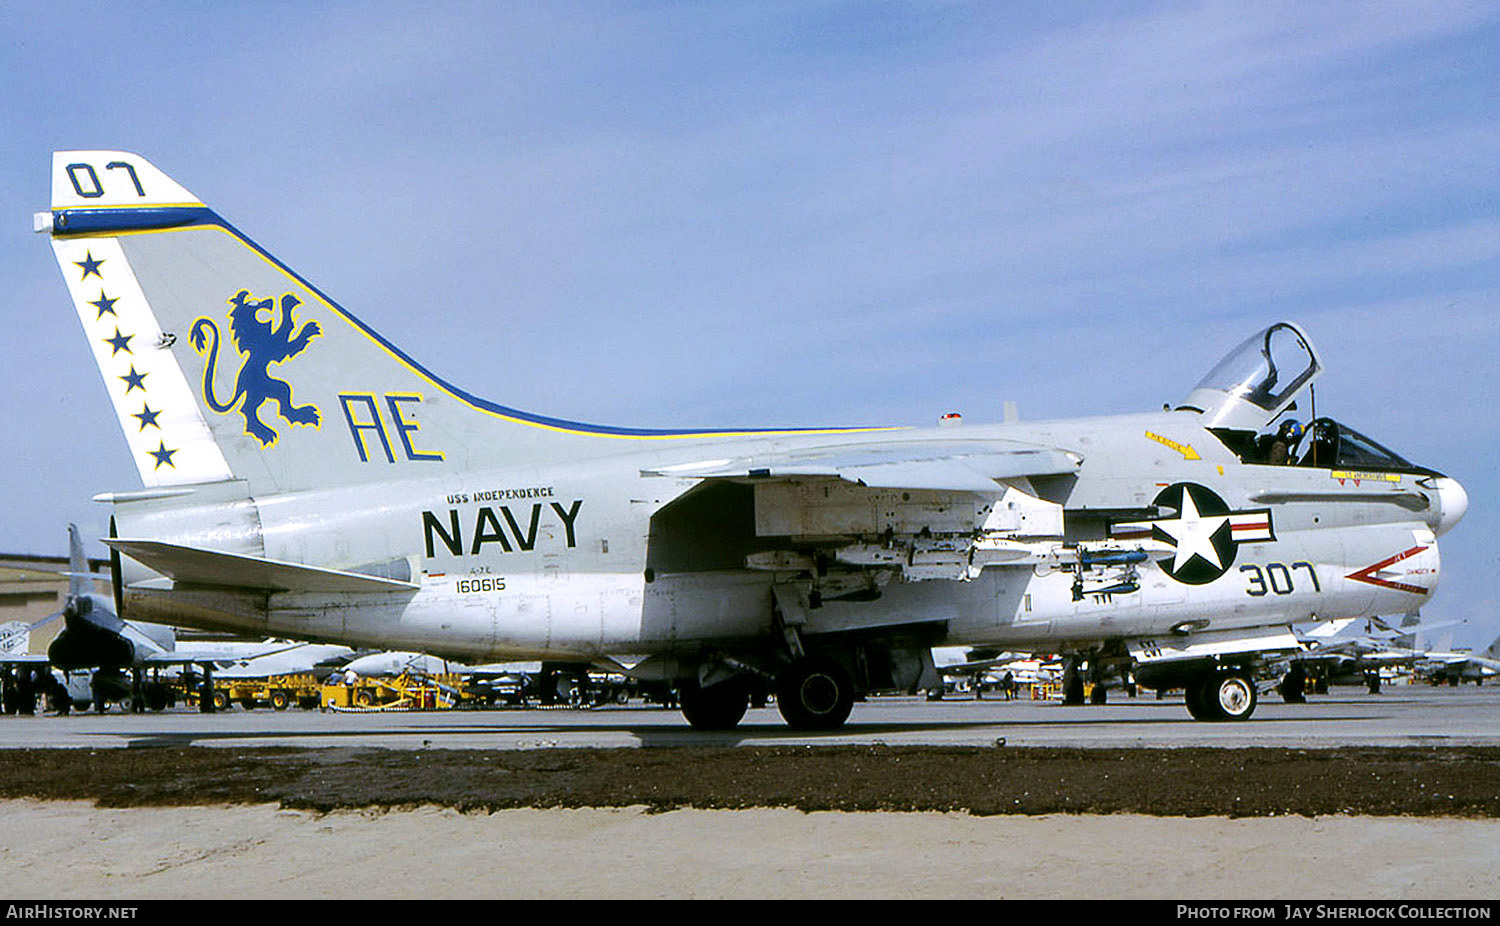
[
  {"x": 1279, "y": 447},
  {"x": 1283, "y": 448}
]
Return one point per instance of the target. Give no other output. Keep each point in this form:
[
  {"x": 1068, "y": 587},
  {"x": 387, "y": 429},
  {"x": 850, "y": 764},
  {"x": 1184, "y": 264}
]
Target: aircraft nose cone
[{"x": 1453, "y": 502}]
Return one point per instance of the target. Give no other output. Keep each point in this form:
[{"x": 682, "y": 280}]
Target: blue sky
[{"x": 811, "y": 213}]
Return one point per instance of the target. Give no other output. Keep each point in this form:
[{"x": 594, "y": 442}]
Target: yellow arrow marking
[{"x": 1188, "y": 453}]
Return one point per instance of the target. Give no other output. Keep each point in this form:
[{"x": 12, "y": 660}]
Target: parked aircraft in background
[
  {"x": 1331, "y": 658},
  {"x": 23, "y": 675},
  {"x": 276, "y": 657},
  {"x": 15, "y": 642},
  {"x": 304, "y": 477},
  {"x": 1460, "y": 666},
  {"x": 977, "y": 670},
  {"x": 117, "y": 653}
]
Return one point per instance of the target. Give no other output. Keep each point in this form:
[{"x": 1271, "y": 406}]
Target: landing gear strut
[
  {"x": 1072, "y": 682},
  {"x": 1294, "y": 685}
]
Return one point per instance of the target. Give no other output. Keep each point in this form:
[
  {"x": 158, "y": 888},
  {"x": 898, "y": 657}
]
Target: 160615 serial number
[{"x": 495, "y": 584}]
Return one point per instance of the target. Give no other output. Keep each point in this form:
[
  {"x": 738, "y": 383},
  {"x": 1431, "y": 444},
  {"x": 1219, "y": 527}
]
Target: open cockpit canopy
[{"x": 1256, "y": 381}]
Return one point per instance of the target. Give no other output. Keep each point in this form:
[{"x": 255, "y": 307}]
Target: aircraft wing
[
  {"x": 1449, "y": 659},
  {"x": 970, "y": 668},
  {"x": 177, "y": 659},
  {"x": 963, "y": 466},
  {"x": 928, "y": 499},
  {"x": 974, "y": 666},
  {"x": 1391, "y": 657},
  {"x": 192, "y": 566}
]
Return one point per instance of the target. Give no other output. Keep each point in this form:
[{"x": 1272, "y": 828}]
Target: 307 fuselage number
[{"x": 1276, "y": 578}]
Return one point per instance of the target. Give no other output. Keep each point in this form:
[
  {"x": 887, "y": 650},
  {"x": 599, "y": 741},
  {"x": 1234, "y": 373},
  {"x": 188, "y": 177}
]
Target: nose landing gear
[{"x": 1226, "y": 695}]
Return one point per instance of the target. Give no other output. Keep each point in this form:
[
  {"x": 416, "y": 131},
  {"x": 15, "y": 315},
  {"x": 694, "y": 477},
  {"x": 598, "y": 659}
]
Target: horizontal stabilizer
[
  {"x": 191, "y": 566},
  {"x": 937, "y": 466}
]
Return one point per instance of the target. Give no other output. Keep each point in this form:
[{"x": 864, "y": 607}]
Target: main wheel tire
[
  {"x": 718, "y": 707},
  {"x": 156, "y": 697},
  {"x": 814, "y": 694}
]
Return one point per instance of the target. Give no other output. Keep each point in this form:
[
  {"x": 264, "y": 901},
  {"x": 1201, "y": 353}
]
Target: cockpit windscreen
[{"x": 1333, "y": 445}]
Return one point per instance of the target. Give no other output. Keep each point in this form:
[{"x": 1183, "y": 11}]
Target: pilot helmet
[{"x": 1291, "y": 430}]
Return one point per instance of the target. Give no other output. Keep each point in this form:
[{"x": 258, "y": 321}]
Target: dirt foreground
[
  {"x": 842, "y": 822},
  {"x": 1447, "y": 782}
]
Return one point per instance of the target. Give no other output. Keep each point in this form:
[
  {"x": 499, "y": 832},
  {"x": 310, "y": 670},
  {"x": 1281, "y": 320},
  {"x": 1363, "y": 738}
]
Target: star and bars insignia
[{"x": 1205, "y": 533}]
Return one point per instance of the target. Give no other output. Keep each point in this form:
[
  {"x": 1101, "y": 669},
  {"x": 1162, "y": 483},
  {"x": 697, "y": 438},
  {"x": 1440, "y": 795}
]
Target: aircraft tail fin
[
  {"x": 223, "y": 363},
  {"x": 80, "y": 582}
]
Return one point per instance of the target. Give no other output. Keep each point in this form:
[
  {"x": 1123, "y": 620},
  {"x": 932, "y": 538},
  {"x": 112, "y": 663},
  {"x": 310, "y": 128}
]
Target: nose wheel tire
[
  {"x": 814, "y": 694},
  {"x": 1226, "y": 696}
]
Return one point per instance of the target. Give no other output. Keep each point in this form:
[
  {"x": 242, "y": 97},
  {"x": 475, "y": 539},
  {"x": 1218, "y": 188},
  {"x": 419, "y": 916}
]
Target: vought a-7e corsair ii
[{"x": 305, "y": 478}]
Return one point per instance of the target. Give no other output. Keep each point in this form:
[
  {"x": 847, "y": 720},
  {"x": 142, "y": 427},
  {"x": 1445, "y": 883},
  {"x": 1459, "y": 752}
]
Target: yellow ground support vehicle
[
  {"x": 277, "y": 691},
  {"x": 1046, "y": 691},
  {"x": 409, "y": 691}
]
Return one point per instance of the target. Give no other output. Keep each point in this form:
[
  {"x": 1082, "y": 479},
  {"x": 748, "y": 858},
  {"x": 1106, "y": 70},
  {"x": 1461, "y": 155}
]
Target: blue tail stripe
[{"x": 96, "y": 221}]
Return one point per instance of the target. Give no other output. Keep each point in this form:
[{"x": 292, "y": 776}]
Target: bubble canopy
[{"x": 1258, "y": 380}]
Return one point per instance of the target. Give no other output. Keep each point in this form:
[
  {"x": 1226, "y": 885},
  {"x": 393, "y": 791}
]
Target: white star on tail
[{"x": 1194, "y": 533}]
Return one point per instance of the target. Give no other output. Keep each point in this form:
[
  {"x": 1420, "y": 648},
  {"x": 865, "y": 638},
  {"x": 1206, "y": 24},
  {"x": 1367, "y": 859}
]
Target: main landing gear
[
  {"x": 814, "y": 694},
  {"x": 717, "y": 707}
]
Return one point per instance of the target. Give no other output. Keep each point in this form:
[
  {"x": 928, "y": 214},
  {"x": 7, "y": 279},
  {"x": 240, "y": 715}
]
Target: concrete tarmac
[
  {"x": 266, "y": 851},
  {"x": 1408, "y": 715}
]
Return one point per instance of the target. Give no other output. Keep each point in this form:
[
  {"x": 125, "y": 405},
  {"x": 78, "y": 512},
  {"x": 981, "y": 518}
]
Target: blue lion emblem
[{"x": 262, "y": 344}]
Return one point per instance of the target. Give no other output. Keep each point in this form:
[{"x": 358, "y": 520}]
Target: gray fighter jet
[{"x": 306, "y": 478}]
